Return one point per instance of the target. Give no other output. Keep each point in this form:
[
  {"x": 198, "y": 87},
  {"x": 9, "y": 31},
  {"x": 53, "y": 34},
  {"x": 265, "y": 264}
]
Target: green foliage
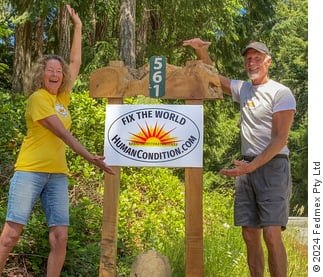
[
  {"x": 299, "y": 163},
  {"x": 225, "y": 256},
  {"x": 95, "y": 57},
  {"x": 12, "y": 124},
  {"x": 221, "y": 134},
  {"x": 34, "y": 246},
  {"x": 88, "y": 128},
  {"x": 6, "y": 47},
  {"x": 151, "y": 210},
  {"x": 83, "y": 250},
  {"x": 211, "y": 20},
  {"x": 289, "y": 45}
]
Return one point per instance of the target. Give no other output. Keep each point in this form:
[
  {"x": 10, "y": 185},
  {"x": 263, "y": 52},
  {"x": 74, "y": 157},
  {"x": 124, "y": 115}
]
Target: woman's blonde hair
[{"x": 34, "y": 79}]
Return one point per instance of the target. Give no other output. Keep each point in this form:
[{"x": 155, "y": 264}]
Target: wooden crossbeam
[{"x": 194, "y": 81}]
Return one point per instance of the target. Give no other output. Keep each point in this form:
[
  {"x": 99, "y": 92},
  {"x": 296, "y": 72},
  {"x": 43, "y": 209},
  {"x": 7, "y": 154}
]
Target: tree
[
  {"x": 22, "y": 46},
  {"x": 63, "y": 26},
  {"x": 128, "y": 32},
  {"x": 34, "y": 34}
]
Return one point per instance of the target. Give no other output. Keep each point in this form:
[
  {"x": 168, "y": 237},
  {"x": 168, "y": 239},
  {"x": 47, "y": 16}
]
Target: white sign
[{"x": 154, "y": 135}]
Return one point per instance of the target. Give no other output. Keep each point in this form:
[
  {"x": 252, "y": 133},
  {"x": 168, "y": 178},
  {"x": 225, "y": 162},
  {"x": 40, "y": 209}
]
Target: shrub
[{"x": 12, "y": 126}]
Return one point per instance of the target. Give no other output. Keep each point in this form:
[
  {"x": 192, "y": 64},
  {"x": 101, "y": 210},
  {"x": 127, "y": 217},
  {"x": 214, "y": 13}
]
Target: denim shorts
[
  {"x": 262, "y": 196},
  {"x": 27, "y": 187}
]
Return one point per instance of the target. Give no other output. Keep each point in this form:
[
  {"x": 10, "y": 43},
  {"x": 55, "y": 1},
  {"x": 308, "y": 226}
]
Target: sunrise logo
[{"x": 153, "y": 135}]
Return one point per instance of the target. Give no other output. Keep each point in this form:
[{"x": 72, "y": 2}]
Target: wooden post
[
  {"x": 193, "y": 83},
  {"x": 109, "y": 237},
  {"x": 194, "y": 217}
]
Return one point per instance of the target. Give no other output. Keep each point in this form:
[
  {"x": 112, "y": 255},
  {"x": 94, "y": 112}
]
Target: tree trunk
[
  {"x": 142, "y": 36},
  {"x": 128, "y": 32},
  {"x": 91, "y": 34},
  {"x": 63, "y": 32},
  {"x": 39, "y": 41},
  {"x": 22, "y": 55}
]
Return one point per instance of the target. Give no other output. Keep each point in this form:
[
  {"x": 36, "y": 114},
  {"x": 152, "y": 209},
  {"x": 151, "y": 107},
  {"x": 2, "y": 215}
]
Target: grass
[
  {"x": 297, "y": 255},
  {"x": 224, "y": 249}
]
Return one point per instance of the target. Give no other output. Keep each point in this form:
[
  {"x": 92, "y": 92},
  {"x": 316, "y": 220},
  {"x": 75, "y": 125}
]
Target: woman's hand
[
  {"x": 74, "y": 16},
  {"x": 76, "y": 47},
  {"x": 99, "y": 162}
]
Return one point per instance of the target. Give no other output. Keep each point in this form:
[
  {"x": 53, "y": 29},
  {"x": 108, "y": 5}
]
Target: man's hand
[
  {"x": 196, "y": 43},
  {"x": 241, "y": 168}
]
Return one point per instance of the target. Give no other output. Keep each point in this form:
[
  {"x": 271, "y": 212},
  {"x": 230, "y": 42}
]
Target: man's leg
[
  {"x": 255, "y": 255},
  {"x": 58, "y": 242},
  {"x": 8, "y": 239},
  {"x": 277, "y": 257}
]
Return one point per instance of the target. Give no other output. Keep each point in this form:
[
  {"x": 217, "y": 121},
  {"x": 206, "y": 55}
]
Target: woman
[{"x": 41, "y": 168}]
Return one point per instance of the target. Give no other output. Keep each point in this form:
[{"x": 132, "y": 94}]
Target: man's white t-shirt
[{"x": 257, "y": 106}]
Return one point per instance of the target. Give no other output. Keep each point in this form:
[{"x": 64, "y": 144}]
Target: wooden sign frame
[{"x": 193, "y": 83}]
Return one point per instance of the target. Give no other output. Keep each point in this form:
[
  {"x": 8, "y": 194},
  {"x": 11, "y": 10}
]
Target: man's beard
[{"x": 253, "y": 76}]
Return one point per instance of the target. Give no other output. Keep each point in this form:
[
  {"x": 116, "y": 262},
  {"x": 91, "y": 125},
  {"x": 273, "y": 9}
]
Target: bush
[
  {"x": 12, "y": 127},
  {"x": 151, "y": 211}
]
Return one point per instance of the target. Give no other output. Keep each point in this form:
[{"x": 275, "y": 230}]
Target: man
[{"x": 263, "y": 181}]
